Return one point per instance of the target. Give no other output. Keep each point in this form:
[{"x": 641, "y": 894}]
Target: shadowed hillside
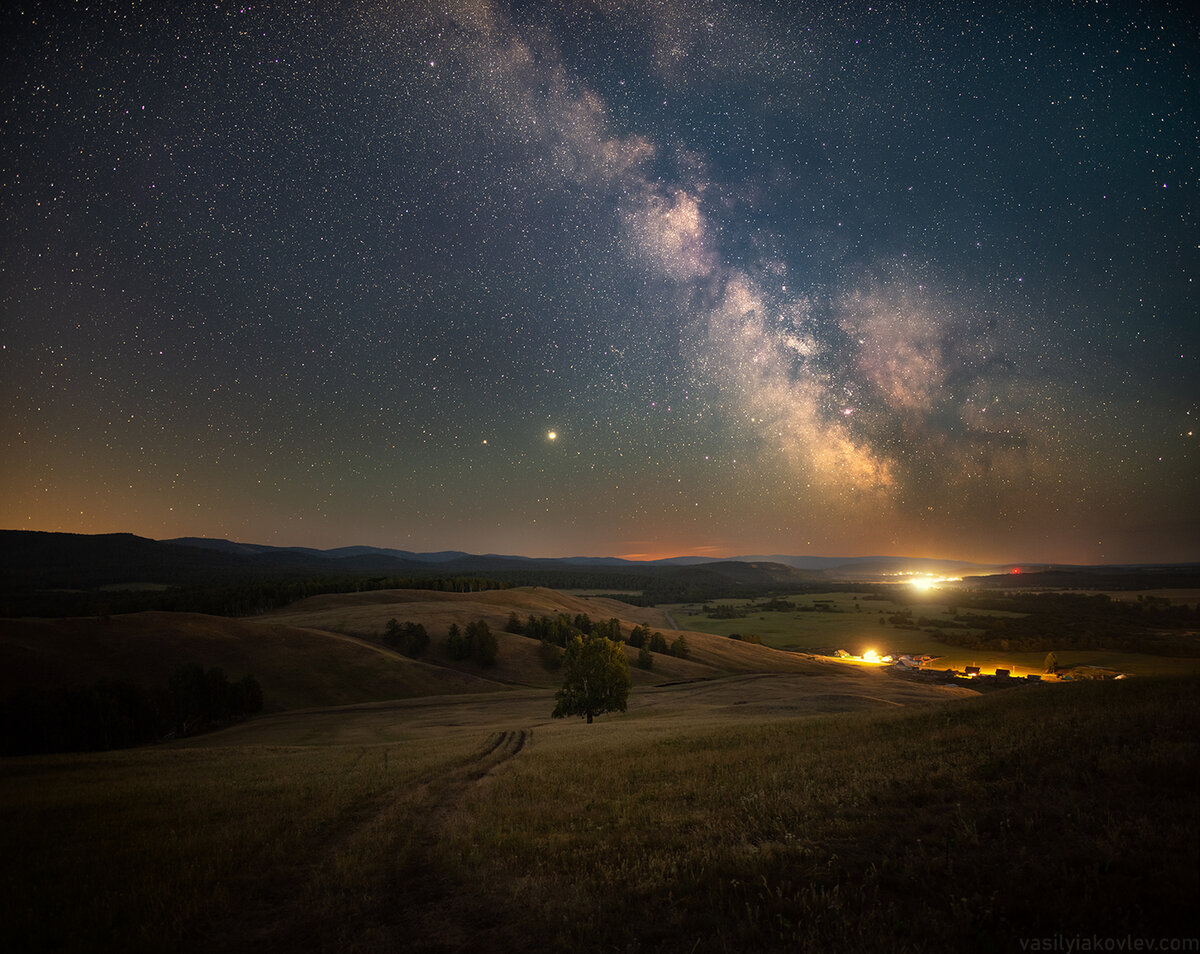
[
  {"x": 297, "y": 667},
  {"x": 325, "y": 650}
]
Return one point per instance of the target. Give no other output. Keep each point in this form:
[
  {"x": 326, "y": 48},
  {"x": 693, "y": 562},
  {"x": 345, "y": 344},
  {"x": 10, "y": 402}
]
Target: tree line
[
  {"x": 653, "y": 585},
  {"x": 475, "y": 641},
  {"x": 557, "y": 633},
  {"x": 242, "y": 598},
  {"x": 118, "y": 714},
  {"x": 1060, "y": 621}
]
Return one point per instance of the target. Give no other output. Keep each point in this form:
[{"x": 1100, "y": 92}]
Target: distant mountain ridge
[
  {"x": 39, "y": 561},
  {"x": 830, "y": 569},
  {"x": 65, "y": 574},
  {"x": 447, "y": 556},
  {"x": 337, "y": 553},
  {"x": 44, "y": 560}
]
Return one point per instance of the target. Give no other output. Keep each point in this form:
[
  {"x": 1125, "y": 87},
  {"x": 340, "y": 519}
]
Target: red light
[{"x": 1016, "y": 569}]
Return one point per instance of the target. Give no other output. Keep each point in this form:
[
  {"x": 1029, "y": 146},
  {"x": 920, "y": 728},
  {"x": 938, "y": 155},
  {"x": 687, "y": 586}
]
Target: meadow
[
  {"x": 966, "y": 826},
  {"x": 767, "y": 812},
  {"x": 857, "y": 622},
  {"x": 748, "y": 799}
]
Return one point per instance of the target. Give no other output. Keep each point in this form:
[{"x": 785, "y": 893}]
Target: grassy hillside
[
  {"x": 969, "y": 826},
  {"x": 715, "y": 816},
  {"x": 296, "y": 666},
  {"x": 324, "y": 651},
  {"x": 748, "y": 799},
  {"x": 712, "y": 703},
  {"x": 366, "y": 614}
]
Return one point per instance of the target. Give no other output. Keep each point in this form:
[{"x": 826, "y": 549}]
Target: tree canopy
[{"x": 596, "y": 678}]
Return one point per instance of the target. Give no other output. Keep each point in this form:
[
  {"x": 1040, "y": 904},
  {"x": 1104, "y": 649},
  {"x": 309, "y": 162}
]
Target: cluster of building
[
  {"x": 912, "y": 662},
  {"x": 903, "y": 661}
]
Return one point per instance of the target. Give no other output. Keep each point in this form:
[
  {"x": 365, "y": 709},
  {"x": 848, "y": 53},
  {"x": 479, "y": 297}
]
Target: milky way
[{"x": 609, "y": 277}]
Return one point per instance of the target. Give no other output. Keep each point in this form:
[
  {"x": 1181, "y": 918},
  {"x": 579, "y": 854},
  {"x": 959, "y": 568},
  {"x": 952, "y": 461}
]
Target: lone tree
[{"x": 596, "y": 679}]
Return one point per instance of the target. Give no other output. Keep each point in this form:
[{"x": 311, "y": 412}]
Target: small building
[
  {"x": 972, "y": 670},
  {"x": 1033, "y": 677},
  {"x": 1003, "y": 674}
]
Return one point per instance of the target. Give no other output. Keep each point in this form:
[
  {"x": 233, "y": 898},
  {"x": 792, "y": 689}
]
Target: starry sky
[{"x": 605, "y": 277}]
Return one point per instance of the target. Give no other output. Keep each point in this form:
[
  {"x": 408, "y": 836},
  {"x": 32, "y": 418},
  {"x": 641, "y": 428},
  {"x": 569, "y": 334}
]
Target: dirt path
[
  {"x": 431, "y": 915},
  {"x": 376, "y": 883}
]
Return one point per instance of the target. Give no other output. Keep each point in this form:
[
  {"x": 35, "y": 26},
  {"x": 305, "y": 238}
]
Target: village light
[
  {"x": 927, "y": 582},
  {"x": 871, "y": 656}
]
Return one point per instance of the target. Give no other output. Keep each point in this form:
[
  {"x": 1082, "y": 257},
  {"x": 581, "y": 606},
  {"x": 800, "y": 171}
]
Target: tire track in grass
[
  {"x": 433, "y": 914},
  {"x": 375, "y": 883}
]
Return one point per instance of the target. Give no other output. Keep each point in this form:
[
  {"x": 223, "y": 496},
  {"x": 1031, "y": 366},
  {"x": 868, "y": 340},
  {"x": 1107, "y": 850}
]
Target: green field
[{"x": 859, "y": 623}]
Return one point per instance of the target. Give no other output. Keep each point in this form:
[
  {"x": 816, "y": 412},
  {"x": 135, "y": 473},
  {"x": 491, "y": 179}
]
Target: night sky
[{"x": 605, "y": 278}]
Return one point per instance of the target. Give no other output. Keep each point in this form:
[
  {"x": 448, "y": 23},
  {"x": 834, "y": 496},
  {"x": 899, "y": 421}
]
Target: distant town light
[{"x": 928, "y": 582}]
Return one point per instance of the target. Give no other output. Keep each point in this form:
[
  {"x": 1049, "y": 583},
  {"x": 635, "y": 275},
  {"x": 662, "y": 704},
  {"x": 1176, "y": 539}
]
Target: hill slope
[
  {"x": 366, "y": 615},
  {"x": 325, "y": 650},
  {"x": 296, "y": 666},
  {"x": 691, "y": 824}
]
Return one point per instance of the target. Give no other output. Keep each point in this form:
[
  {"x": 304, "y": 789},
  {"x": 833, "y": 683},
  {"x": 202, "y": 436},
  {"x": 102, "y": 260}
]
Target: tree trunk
[{"x": 589, "y": 715}]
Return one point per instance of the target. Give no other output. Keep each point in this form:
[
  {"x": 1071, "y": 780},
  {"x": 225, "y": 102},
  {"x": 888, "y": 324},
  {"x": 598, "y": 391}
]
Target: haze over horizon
[{"x": 607, "y": 278}]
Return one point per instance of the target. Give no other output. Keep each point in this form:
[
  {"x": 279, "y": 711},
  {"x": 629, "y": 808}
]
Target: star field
[{"x": 778, "y": 278}]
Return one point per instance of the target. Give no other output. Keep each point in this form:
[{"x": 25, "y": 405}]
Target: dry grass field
[
  {"x": 747, "y": 800},
  {"x": 755, "y": 812},
  {"x": 297, "y": 666},
  {"x": 324, "y": 650}
]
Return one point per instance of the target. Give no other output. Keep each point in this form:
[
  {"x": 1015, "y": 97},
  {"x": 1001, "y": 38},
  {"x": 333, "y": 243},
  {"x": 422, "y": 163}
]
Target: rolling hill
[
  {"x": 749, "y": 799},
  {"x": 324, "y": 650},
  {"x": 297, "y": 667}
]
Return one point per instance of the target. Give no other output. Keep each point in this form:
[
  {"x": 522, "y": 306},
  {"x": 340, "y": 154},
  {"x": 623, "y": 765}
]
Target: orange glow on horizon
[{"x": 715, "y": 553}]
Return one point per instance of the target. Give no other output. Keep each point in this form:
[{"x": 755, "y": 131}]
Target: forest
[{"x": 118, "y": 714}]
